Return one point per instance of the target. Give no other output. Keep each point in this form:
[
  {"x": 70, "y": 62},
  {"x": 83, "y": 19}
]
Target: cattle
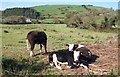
[
  {"x": 70, "y": 56},
  {"x": 86, "y": 58},
  {"x": 61, "y": 57},
  {"x": 36, "y": 37}
]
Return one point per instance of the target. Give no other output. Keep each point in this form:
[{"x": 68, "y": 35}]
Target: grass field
[
  {"x": 16, "y": 58},
  {"x": 61, "y": 10}
]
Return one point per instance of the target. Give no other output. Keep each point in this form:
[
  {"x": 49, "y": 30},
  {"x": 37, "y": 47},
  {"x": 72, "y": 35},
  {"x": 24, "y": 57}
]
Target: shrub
[
  {"x": 27, "y": 12},
  {"x": 91, "y": 20},
  {"x": 94, "y": 24},
  {"x": 14, "y": 20},
  {"x": 73, "y": 20}
]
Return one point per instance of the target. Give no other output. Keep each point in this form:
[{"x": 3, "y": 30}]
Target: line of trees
[
  {"x": 20, "y": 15},
  {"x": 27, "y": 12}
]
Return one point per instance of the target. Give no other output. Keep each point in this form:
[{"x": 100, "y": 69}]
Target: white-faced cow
[
  {"x": 36, "y": 37},
  {"x": 69, "y": 57}
]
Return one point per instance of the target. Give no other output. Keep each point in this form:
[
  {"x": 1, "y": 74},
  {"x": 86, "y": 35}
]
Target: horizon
[{"x": 5, "y": 5}]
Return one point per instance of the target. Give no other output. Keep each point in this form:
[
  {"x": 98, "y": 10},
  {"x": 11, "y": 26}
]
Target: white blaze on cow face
[
  {"x": 76, "y": 55},
  {"x": 71, "y": 47}
]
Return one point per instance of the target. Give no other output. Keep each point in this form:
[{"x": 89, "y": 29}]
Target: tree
[
  {"x": 15, "y": 20},
  {"x": 27, "y": 12}
]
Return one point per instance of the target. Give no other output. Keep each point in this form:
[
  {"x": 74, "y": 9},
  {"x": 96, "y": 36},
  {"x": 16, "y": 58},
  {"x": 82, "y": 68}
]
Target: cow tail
[
  {"x": 50, "y": 58},
  {"x": 27, "y": 44}
]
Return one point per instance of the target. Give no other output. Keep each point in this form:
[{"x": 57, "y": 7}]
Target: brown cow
[{"x": 36, "y": 37}]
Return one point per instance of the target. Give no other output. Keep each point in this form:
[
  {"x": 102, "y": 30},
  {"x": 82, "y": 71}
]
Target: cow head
[
  {"x": 76, "y": 56},
  {"x": 82, "y": 55},
  {"x": 80, "y": 52},
  {"x": 73, "y": 47},
  {"x": 85, "y": 54}
]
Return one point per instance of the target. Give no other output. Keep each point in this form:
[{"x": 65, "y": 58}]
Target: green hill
[
  {"x": 55, "y": 14},
  {"x": 61, "y": 10}
]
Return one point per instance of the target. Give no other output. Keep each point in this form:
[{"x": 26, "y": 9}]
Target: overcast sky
[{"x": 25, "y": 3}]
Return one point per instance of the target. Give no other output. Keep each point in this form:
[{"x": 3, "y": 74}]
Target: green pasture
[
  {"x": 61, "y": 10},
  {"x": 16, "y": 59}
]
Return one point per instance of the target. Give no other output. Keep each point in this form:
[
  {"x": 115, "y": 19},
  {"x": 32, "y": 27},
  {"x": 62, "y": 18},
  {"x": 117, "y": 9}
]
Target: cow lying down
[{"x": 71, "y": 56}]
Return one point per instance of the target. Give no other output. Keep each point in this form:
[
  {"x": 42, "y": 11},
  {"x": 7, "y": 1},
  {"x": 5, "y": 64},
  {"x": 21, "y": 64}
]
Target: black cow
[
  {"x": 84, "y": 59},
  {"x": 36, "y": 37},
  {"x": 72, "y": 58},
  {"x": 61, "y": 57}
]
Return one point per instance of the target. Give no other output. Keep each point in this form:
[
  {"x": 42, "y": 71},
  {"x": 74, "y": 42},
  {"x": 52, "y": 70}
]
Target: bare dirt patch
[{"x": 108, "y": 57}]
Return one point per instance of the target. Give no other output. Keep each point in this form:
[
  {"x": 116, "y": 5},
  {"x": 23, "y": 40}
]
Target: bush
[
  {"x": 14, "y": 20},
  {"x": 27, "y": 12},
  {"x": 94, "y": 24},
  {"x": 91, "y": 20},
  {"x": 77, "y": 20},
  {"x": 73, "y": 20}
]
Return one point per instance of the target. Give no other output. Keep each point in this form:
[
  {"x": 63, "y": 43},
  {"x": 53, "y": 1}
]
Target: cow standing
[{"x": 36, "y": 37}]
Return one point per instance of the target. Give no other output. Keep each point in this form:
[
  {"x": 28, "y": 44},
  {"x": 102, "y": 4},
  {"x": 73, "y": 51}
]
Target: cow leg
[
  {"x": 45, "y": 46},
  {"x": 51, "y": 59},
  {"x": 70, "y": 63},
  {"x": 55, "y": 61},
  {"x": 32, "y": 52},
  {"x": 40, "y": 48},
  {"x": 84, "y": 66}
]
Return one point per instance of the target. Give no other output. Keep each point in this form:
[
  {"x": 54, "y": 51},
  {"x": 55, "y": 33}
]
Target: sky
[{"x": 25, "y": 3}]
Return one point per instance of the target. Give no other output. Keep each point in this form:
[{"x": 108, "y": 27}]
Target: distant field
[
  {"x": 50, "y": 12},
  {"x": 61, "y": 10},
  {"x": 14, "y": 51}
]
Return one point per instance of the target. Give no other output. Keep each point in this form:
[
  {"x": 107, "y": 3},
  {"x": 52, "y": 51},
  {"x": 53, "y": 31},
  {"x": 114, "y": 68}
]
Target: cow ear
[
  {"x": 67, "y": 44},
  {"x": 89, "y": 52}
]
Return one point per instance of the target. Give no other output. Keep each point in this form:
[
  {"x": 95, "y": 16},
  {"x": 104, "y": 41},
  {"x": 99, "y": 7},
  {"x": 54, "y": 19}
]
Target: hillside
[
  {"x": 57, "y": 13},
  {"x": 60, "y": 14},
  {"x": 61, "y": 10}
]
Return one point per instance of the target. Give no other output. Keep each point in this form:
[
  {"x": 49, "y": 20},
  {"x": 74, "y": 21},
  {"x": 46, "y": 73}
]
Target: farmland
[
  {"x": 56, "y": 14},
  {"x": 61, "y": 10},
  {"x": 16, "y": 59}
]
